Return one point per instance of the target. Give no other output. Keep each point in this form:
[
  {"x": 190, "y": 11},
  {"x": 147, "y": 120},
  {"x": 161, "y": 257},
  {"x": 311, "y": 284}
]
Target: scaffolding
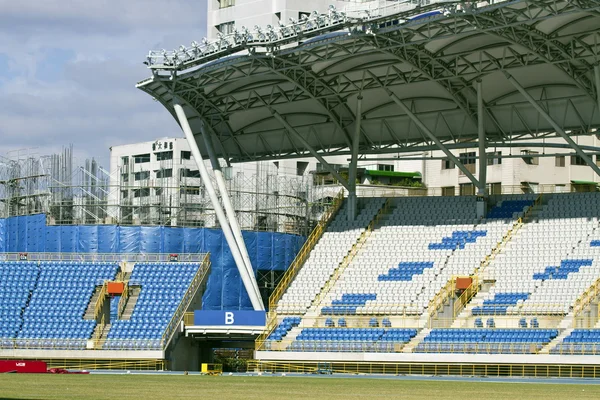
[{"x": 264, "y": 197}]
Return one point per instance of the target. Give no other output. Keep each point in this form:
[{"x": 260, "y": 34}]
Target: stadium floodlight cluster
[
  {"x": 269, "y": 37},
  {"x": 309, "y": 26}
]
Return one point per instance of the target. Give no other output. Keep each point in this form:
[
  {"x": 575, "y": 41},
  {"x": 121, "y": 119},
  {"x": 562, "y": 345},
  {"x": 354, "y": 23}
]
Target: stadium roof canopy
[{"x": 313, "y": 72}]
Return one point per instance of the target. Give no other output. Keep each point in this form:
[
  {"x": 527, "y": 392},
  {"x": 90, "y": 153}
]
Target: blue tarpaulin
[{"x": 225, "y": 290}]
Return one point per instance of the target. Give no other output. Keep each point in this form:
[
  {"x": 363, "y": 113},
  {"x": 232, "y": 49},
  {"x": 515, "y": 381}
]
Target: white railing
[{"x": 99, "y": 257}]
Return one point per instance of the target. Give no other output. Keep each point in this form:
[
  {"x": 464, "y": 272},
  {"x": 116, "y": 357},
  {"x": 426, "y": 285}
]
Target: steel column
[
  {"x": 257, "y": 303},
  {"x": 597, "y": 79},
  {"x": 235, "y": 227},
  {"x": 352, "y": 206},
  {"x": 312, "y": 151},
  {"x": 482, "y": 141},
  {"x": 433, "y": 138},
  {"x": 550, "y": 120}
]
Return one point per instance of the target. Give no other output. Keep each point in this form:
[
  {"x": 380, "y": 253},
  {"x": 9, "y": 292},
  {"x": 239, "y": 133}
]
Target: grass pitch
[{"x": 15, "y": 386}]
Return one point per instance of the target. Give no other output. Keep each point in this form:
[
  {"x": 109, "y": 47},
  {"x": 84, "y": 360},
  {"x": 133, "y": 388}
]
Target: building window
[
  {"x": 577, "y": 160},
  {"x": 186, "y": 155},
  {"x": 125, "y": 160},
  {"x": 301, "y": 167},
  {"x": 140, "y": 176},
  {"x": 559, "y": 161},
  {"x": 164, "y": 155},
  {"x": 141, "y": 158},
  {"x": 226, "y": 28},
  {"x": 385, "y": 167},
  {"x": 124, "y": 194},
  {"x": 530, "y": 157},
  {"x": 467, "y": 189},
  {"x": 468, "y": 160},
  {"x": 226, "y": 3},
  {"x": 448, "y": 191},
  {"x": 494, "y": 188},
  {"x": 448, "y": 164},
  {"x": 494, "y": 158},
  {"x": 124, "y": 177},
  {"x": 164, "y": 173},
  {"x": 189, "y": 173},
  {"x": 143, "y": 192},
  {"x": 158, "y": 191}
]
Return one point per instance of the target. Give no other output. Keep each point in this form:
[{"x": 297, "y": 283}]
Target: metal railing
[
  {"x": 461, "y": 302},
  {"x": 402, "y": 191},
  {"x": 356, "y": 247},
  {"x": 586, "y": 298},
  {"x": 441, "y": 297},
  {"x": 577, "y": 349},
  {"x": 304, "y": 252},
  {"x": 123, "y": 300},
  {"x": 431, "y": 369},
  {"x": 299, "y": 261},
  {"x": 102, "y": 257},
  {"x": 198, "y": 280},
  {"x": 101, "y": 299}
]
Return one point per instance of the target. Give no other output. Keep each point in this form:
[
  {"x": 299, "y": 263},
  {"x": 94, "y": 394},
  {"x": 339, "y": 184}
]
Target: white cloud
[{"x": 90, "y": 98}]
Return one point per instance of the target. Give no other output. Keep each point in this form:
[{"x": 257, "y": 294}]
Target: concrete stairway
[
  {"x": 546, "y": 349},
  {"x": 104, "y": 336},
  {"x": 134, "y": 294},
  {"x": 89, "y": 312},
  {"x": 409, "y": 347}
]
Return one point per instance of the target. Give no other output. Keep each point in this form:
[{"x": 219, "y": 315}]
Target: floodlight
[
  {"x": 259, "y": 34},
  {"x": 272, "y": 35},
  {"x": 247, "y": 34}
]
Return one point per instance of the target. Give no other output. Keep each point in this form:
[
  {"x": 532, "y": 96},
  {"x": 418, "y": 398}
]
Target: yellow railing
[
  {"x": 431, "y": 369},
  {"x": 441, "y": 297},
  {"x": 586, "y": 298},
  {"x": 577, "y": 349},
  {"x": 356, "y": 247},
  {"x": 304, "y": 252},
  {"x": 466, "y": 296},
  {"x": 101, "y": 327},
  {"x": 123, "y": 300},
  {"x": 199, "y": 279},
  {"x": 298, "y": 262},
  {"x": 100, "y": 300}
]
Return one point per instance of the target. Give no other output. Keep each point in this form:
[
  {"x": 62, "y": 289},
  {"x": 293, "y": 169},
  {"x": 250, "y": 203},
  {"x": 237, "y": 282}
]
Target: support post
[
  {"x": 312, "y": 151},
  {"x": 433, "y": 138},
  {"x": 257, "y": 303},
  {"x": 597, "y": 78},
  {"x": 235, "y": 227},
  {"x": 482, "y": 141},
  {"x": 551, "y": 121},
  {"x": 352, "y": 173}
]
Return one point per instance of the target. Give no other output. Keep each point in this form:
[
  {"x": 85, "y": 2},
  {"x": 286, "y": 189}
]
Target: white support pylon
[{"x": 256, "y": 301}]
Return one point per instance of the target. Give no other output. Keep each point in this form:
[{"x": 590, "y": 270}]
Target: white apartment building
[{"x": 226, "y": 15}]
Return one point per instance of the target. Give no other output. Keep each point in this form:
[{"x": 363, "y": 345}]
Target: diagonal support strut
[
  {"x": 552, "y": 122},
  {"x": 433, "y": 138}
]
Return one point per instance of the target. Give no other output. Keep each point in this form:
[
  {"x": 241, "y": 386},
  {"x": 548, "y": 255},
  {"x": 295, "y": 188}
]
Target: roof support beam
[
  {"x": 231, "y": 217},
  {"x": 551, "y": 121},
  {"x": 312, "y": 151},
  {"x": 482, "y": 140},
  {"x": 433, "y": 138},
  {"x": 257, "y": 303},
  {"x": 352, "y": 209},
  {"x": 597, "y": 79}
]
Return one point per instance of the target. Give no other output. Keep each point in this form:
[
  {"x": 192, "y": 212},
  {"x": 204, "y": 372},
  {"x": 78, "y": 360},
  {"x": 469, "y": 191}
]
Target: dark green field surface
[{"x": 120, "y": 387}]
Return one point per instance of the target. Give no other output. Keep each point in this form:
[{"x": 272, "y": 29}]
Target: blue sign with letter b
[{"x": 229, "y": 318}]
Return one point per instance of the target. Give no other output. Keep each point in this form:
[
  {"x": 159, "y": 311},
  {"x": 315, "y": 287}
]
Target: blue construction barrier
[{"x": 267, "y": 250}]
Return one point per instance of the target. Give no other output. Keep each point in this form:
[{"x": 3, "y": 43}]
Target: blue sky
[{"x": 68, "y": 70}]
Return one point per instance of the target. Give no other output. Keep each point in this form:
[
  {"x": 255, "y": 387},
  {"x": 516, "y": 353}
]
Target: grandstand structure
[
  {"x": 120, "y": 310},
  {"x": 412, "y": 279}
]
